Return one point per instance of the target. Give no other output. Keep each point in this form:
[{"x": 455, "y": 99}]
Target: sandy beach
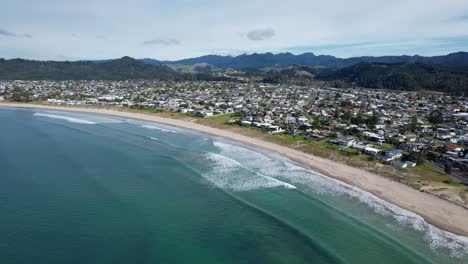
[{"x": 436, "y": 211}]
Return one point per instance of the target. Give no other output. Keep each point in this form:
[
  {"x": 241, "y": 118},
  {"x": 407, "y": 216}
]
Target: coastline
[{"x": 436, "y": 211}]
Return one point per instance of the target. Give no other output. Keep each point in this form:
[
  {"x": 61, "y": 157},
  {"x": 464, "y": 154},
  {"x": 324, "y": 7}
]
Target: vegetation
[
  {"x": 21, "y": 95},
  {"x": 447, "y": 168},
  {"x": 435, "y": 117},
  {"x": 403, "y": 76},
  {"x": 120, "y": 69}
]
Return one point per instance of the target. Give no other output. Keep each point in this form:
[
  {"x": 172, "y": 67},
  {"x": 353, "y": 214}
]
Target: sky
[{"x": 177, "y": 29}]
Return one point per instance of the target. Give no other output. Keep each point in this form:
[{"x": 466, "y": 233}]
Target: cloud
[
  {"x": 309, "y": 28},
  {"x": 162, "y": 42},
  {"x": 7, "y": 33},
  {"x": 261, "y": 34}
]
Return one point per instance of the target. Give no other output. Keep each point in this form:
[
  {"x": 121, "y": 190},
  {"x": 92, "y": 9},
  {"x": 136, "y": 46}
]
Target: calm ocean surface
[{"x": 82, "y": 188}]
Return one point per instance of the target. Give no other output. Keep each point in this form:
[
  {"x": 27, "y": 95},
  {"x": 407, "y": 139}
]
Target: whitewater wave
[
  {"x": 279, "y": 167},
  {"x": 66, "y": 118},
  {"x": 159, "y": 128},
  {"x": 229, "y": 174},
  {"x": 78, "y": 118}
]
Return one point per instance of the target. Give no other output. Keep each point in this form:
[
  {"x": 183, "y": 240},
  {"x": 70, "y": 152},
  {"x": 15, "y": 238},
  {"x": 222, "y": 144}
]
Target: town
[{"x": 397, "y": 128}]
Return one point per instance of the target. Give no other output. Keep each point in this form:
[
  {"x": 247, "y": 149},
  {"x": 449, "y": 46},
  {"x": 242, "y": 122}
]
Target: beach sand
[{"x": 436, "y": 211}]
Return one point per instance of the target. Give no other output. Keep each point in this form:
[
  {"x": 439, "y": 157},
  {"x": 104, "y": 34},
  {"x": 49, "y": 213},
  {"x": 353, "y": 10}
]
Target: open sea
[{"x": 84, "y": 188}]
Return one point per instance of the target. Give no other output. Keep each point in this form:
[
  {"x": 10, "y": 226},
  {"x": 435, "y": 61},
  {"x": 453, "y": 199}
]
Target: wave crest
[
  {"x": 280, "y": 167},
  {"x": 66, "y": 118},
  {"x": 159, "y": 128},
  {"x": 229, "y": 174}
]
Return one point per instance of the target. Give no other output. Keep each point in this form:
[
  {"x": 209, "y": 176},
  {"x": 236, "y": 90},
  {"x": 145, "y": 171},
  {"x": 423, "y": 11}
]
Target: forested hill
[
  {"x": 119, "y": 69},
  {"x": 403, "y": 76}
]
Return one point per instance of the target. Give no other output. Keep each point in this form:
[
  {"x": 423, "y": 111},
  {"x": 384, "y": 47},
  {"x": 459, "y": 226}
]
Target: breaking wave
[
  {"x": 78, "y": 118},
  {"x": 229, "y": 174},
  {"x": 66, "y": 118},
  {"x": 277, "y": 167},
  {"x": 159, "y": 128}
]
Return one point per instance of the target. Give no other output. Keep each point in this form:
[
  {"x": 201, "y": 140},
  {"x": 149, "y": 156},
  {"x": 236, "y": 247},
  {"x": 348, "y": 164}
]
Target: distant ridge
[{"x": 257, "y": 60}]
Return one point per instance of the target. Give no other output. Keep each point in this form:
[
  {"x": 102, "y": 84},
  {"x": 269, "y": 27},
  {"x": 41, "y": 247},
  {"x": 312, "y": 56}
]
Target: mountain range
[
  {"x": 258, "y": 61},
  {"x": 447, "y": 73}
]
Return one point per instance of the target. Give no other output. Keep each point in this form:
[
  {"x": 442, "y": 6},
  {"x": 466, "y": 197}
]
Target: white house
[
  {"x": 207, "y": 114},
  {"x": 346, "y": 142},
  {"x": 275, "y": 129},
  {"x": 303, "y": 120},
  {"x": 371, "y": 151},
  {"x": 390, "y": 155}
]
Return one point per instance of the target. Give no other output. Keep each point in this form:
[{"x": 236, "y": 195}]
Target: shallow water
[{"x": 82, "y": 188}]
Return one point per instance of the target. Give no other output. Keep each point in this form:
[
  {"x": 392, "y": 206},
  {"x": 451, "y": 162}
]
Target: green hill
[
  {"x": 119, "y": 69},
  {"x": 403, "y": 76}
]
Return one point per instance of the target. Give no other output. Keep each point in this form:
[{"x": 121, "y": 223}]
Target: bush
[{"x": 414, "y": 157}]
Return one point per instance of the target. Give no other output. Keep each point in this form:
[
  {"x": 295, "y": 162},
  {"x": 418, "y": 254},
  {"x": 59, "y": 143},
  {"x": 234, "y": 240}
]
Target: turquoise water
[{"x": 81, "y": 188}]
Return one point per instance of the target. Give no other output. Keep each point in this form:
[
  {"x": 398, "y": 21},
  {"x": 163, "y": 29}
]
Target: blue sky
[{"x": 93, "y": 29}]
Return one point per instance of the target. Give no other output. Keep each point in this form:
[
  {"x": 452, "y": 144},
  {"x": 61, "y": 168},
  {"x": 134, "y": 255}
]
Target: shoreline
[{"x": 436, "y": 211}]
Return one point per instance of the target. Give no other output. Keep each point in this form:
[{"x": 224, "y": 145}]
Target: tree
[
  {"x": 316, "y": 123},
  {"x": 347, "y": 115},
  {"x": 435, "y": 117},
  {"x": 414, "y": 157},
  {"x": 447, "y": 168},
  {"x": 442, "y": 148},
  {"x": 414, "y": 122},
  {"x": 373, "y": 120},
  {"x": 337, "y": 113},
  {"x": 359, "y": 119},
  {"x": 394, "y": 140},
  {"x": 20, "y": 95}
]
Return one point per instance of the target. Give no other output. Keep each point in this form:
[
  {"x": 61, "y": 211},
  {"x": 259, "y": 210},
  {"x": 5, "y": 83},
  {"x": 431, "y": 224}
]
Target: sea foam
[
  {"x": 78, "y": 118},
  {"x": 229, "y": 174},
  {"x": 159, "y": 128},
  {"x": 274, "y": 166},
  {"x": 66, "y": 118}
]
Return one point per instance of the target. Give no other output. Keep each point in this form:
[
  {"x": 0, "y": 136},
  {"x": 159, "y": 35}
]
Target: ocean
[{"x": 85, "y": 188}]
